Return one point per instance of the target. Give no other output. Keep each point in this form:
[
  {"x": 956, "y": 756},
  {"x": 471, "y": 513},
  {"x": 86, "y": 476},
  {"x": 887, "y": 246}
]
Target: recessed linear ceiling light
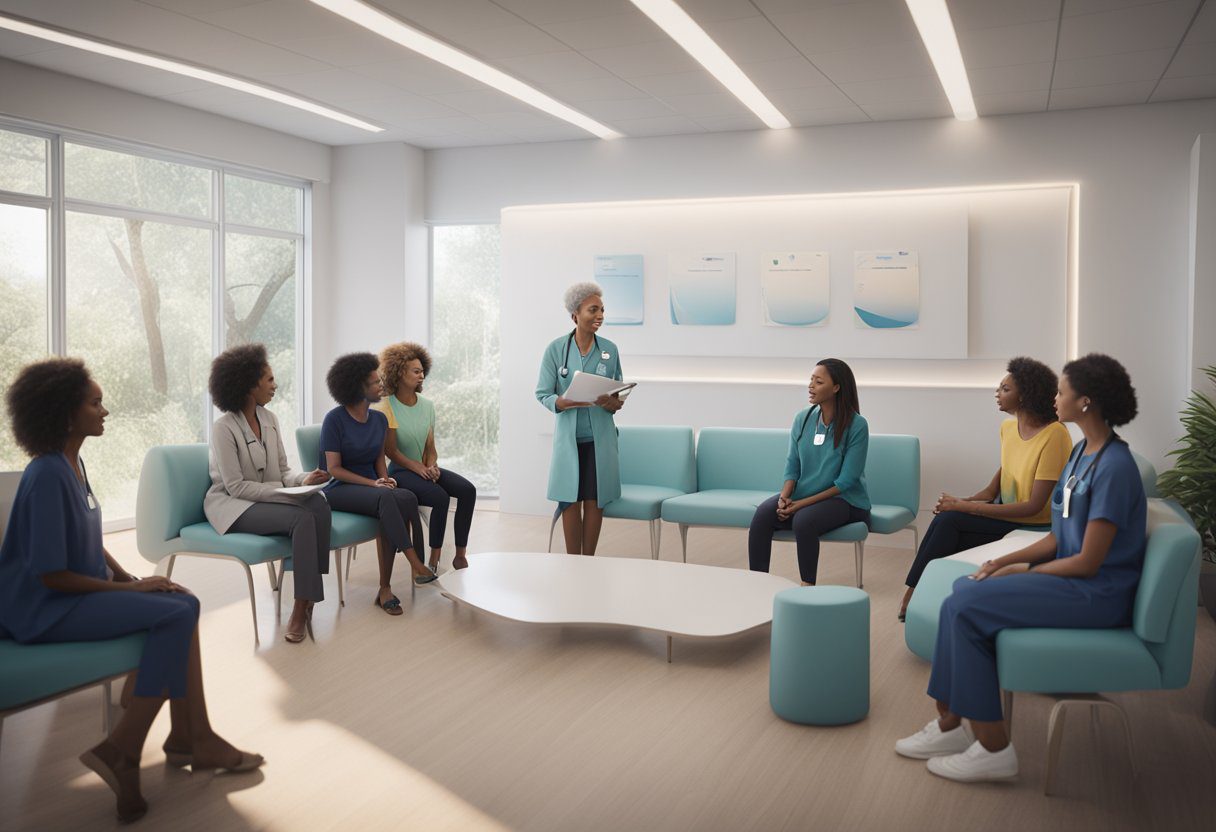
[
  {"x": 932, "y": 18},
  {"x": 401, "y": 33},
  {"x": 692, "y": 38},
  {"x": 37, "y": 30}
]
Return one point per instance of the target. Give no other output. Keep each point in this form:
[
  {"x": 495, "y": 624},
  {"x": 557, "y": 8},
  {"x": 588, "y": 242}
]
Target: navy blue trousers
[
  {"x": 169, "y": 618},
  {"x": 964, "y": 674}
]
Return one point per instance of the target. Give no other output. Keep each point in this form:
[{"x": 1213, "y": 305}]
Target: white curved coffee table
[{"x": 677, "y": 599}]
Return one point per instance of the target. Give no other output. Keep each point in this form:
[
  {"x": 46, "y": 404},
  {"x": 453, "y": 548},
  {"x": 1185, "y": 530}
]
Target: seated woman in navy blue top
[
  {"x": 352, "y": 451},
  {"x": 58, "y": 583},
  {"x": 1083, "y": 574}
]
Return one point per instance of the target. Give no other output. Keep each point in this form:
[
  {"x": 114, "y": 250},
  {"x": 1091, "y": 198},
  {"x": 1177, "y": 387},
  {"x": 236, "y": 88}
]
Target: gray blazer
[{"x": 245, "y": 471}]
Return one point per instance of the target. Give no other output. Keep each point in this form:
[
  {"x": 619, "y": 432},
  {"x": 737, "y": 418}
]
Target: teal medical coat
[{"x": 563, "y": 468}]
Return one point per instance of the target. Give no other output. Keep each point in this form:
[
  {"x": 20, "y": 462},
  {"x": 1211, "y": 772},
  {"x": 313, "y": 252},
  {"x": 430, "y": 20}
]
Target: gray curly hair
[{"x": 579, "y": 292}]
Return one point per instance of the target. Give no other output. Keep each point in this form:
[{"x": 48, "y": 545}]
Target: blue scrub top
[
  {"x": 815, "y": 468},
  {"x": 361, "y": 444},
  {"x": 1110, "y": 491},
  {"x": 51, "y": 529}
]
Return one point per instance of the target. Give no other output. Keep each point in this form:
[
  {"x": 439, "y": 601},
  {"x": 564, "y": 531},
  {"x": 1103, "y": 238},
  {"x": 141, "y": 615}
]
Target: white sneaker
[
  {"x": 930, "y": 741},
  {"x": 977, "y": 764}
]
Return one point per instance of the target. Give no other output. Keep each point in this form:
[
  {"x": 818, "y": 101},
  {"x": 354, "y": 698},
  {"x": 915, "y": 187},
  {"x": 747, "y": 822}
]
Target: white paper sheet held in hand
[
  {"x": 587, "y": 387},
  {"x": 302, "y": 490}
]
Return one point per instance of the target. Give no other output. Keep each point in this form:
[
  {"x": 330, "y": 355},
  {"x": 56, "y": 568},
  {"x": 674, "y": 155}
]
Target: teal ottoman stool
[{"x": 820, "y": 668}]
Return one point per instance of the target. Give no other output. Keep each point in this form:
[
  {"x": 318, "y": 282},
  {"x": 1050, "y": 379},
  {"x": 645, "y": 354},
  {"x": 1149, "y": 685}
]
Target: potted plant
[{"x": 1192, "y": 481}]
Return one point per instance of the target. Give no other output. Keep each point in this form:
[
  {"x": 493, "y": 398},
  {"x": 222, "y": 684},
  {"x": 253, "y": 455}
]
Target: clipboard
[{"x": 587, "y": 387}]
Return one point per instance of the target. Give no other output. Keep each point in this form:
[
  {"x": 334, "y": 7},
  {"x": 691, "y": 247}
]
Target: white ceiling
[{"x": 819, "y": 61}]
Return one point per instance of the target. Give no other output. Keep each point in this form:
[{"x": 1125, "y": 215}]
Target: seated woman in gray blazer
[{"x": 249, "y": 465}]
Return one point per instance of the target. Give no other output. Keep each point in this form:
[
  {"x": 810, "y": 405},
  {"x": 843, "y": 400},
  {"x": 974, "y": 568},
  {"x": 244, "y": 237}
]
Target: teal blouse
[{"x": 815, "y": 468}]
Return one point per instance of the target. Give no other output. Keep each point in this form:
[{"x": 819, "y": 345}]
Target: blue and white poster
[
  {"x": 886, "y": 289},
  {"x": 702, "y": 289},
  {"x": 621, "y": 277},
  {"x": 795, "y": 288}
]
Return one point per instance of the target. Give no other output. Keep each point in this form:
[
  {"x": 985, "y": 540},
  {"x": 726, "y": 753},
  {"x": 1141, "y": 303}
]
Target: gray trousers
[{"x": 307, "y": 524}]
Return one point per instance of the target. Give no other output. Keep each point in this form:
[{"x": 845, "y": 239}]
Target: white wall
[
  {"x": 374, "y": 288},
  {"x": 1201, "y": 334},
  {"x": 1133, "y": 168}
]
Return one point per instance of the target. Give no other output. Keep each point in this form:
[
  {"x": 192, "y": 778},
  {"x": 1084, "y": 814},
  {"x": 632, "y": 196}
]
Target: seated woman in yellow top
[{"x": 1034, "y": 448}]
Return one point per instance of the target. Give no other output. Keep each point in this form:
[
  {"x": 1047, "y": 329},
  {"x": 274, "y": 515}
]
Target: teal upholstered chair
[
  {"x": 657, "y": 463},
  {"x": 347, "y": 530},
  {"x": 737, "y": 470},
  {"x": 169, "y": 521},
  {"x": 38, "y": 673},
  {"x": 1078, "y": 665}
]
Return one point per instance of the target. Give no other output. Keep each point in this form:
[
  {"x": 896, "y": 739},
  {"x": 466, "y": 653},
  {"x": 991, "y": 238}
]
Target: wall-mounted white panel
[{"x": 545, "y": 248}]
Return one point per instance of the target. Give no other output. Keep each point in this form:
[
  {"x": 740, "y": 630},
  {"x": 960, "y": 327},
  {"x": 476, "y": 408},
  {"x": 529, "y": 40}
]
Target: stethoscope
[
  {"x": 90, "y": 500},
  {"x": 1073, "y": 483},
  {"x": 819, "y": 437},
  {"x": 563, "y": 371}
]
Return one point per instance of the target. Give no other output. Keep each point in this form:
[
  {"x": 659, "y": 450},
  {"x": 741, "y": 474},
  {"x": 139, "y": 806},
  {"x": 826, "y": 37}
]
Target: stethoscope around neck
[
  {"x": 1077, "y": 484},
  {"x": 564, "y": 371}
]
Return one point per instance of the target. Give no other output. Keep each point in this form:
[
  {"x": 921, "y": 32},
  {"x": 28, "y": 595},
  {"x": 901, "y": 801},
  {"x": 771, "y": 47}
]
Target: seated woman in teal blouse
[
  {"x": 58, "y": 583},
  {"x": 825, "y": 483}
]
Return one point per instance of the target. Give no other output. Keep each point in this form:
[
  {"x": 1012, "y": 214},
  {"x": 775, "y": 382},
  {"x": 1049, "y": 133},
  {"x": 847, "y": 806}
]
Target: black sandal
[{"x": 392, "y": 606}]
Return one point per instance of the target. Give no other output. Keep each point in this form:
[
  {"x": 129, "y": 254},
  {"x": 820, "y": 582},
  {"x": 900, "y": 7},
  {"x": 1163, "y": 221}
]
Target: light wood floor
[{"x": 447, "y": 719}]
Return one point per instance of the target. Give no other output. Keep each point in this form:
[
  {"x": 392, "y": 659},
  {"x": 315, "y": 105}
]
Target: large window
[
  {"x": 464, "y": 348},
  {"x": 158, "y": 263}
]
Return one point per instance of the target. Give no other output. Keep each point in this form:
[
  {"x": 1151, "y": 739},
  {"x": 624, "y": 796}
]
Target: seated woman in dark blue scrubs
[
  {"x": 58, "y": 583},
  {"x": 352, "y": 451},
  {"x": 1083, "y": 574}
]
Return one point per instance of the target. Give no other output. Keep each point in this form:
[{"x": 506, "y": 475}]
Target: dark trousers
[
  {"x": 438, "y": 496},
  {"x": 396, "y": 508},
  {"x": 169, "y": 618},
  {"x": 952, "y": 532},
  {"x": 808, "y": 524},
  {"x": 307, "y": 524}
]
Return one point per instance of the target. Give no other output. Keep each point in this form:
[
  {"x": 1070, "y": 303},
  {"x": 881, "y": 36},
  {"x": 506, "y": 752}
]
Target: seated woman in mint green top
[
  {"x": 410, "y": 448},
  {"x": 825, "y": 482}
]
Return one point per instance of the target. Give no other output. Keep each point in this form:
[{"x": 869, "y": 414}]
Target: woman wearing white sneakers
[{"x": 1083, "y": 575}]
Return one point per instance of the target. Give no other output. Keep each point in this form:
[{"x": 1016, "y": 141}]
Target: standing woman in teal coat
[{"x": 585, "y": 473}]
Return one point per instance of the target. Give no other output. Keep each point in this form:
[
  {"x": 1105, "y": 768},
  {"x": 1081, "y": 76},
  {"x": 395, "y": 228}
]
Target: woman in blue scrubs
[
  {"x": 1083, "y": 574},
  {"x": 58, "y": 583},
  {"x": 825, "y": 481},
  {"x": 585, "y": 471}
]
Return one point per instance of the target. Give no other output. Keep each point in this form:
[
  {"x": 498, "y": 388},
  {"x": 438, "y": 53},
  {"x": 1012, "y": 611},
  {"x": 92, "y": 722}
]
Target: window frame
[{"x": 57, "y": 205}]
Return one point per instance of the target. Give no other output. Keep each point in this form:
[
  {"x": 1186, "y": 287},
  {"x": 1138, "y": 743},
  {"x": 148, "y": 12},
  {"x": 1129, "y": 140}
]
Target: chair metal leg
[
  {"x": 276, "y": 586},
  {"x": 253, "y": 604},
  {"x": 337, "y": 554},
  {"x": 351, "y": 554},
  {"x": 552, "y": 526},
  {"x": 858, "y": 556},
  {"x": 915, "y": 538},
  {"x": 1055, "y": 733},
  {"x": 169, "y": 567},
  {"x": 656, "y": 533},
  {"x": 107, "y": 704},
  {"x": 1007, "y": 701},
  {"x": 684, "y": 541}
]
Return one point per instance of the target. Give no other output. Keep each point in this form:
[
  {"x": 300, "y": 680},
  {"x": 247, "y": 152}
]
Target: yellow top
[{"x": 1042, "y": 457}]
